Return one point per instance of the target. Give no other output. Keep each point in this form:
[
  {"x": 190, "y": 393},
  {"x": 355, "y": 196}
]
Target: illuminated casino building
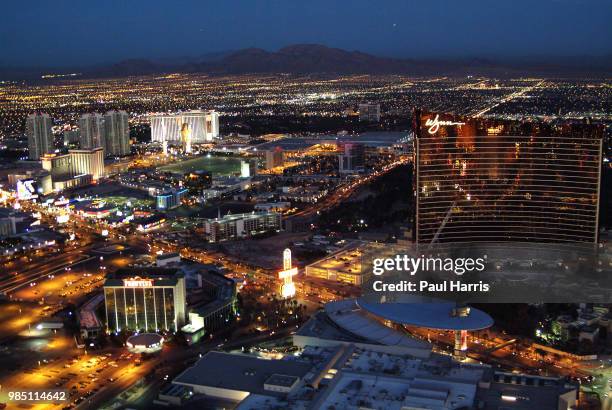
[
  {"x": 482, "y": 180},
  {"x": 150, "y": 223},
  {"x": 145, "y": 299},
  {"x": 366, "y": 322},
  {"x": 170, "y": 199},
  {"x": 77, "y": 167},
  {"x": 203, "y": 127},
  {"x": 88, "y": 161}
]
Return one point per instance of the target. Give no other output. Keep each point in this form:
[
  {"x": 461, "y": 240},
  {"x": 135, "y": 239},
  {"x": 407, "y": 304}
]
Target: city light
[{"x": 144, "y": 203}]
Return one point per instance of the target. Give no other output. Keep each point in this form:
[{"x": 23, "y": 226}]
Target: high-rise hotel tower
[
  {"x": 116, "y": 133},
  {"x": 203, "y": 126},
  {"x": 149, "y": 299},
  {"x": 91, "y": 126},
  {"x": 481, "y": 180},
  {"x": 40, "y": 137}
]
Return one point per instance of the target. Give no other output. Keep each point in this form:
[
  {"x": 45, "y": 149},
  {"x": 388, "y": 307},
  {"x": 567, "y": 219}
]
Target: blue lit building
[{"x": 170, "y": 200}]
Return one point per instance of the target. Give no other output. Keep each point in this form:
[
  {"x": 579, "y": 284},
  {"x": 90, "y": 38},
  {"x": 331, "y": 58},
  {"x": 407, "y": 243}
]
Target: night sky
[{"x": 62, "y": 33}]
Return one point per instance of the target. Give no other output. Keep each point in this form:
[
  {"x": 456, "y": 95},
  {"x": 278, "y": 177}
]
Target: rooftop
[
  {"x": 433, "y": 315},
  {"x": 350, "y": 378},
  {"x": 170, "y": 255},
  {"x": 159, "y": 276},
  {"x": 89, "y": 320},
  {"x": 145, "y": 339},
  {"x": 87, "y": 314},
  {"x": 235, "y": 217},
  {"x": 346, "y": 261},
  {"x": 150, "y": 219},
  {"x": 521, "y": 392},
  {"x": 373, "y": 391},
  {"x": 240, "y": 372},
  {"x": 282, "y": 380},
  {"x": 348, "y": 316}
]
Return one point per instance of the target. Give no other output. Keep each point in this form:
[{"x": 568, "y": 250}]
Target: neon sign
[
  {"x": 287, "y": 274},
  {"x": 434, "y": 125},
  {"x": 137, "y": 283},
  {"x": 26, "y": 189}
]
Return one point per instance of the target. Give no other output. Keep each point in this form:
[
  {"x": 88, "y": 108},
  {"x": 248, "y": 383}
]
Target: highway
[
  {"x": 507, "y": 98},
  {"x": 28, "y": 276},
  {"x": 344, "y": 191},
  {"x": 497, "y": 350}
]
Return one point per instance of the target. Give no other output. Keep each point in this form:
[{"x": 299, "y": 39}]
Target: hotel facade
[
  {"x": 238, "y": 226},
  {"x": 202, "y": 125},
  {"x": 481, "y": 180},
  {"x": 148, "y": 299}
]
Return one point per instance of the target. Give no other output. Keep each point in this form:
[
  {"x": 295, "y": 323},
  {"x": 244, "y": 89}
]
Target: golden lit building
[
  {"x": 87, "y": 161},
  {"x": 204, "y": 126},
  {"x": 481, "y": 180},
  {"x": 78, "y": 167},
  {"x": 149, "y": 299},
  {"x": 343, "y": 266}
]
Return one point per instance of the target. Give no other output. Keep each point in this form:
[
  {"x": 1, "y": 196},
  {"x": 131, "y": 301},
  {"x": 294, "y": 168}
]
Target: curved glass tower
[{"x": 480, "y": 180}]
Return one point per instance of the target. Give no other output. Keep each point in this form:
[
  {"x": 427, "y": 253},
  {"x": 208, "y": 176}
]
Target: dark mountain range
[{"x": 318, "y": 59}]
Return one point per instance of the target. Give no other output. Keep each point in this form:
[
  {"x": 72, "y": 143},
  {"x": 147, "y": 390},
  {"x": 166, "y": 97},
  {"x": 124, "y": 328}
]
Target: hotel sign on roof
[{"x": 137, "y": 283}]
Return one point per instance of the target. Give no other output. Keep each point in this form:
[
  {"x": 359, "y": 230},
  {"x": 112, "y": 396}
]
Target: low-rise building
[
  {"x": 30, "y": 183},
  {"x": 242, "y": 375},
  {"x": 150, "y": 223},
  {"x": 168, "y": 259},
  {"x": 95, "y": 209},
  {"x": 348, "y": 377},
  {"x": 308, "y": 194},
  {"x": 342, "y": 266},
  {"x": 216, "y": 311},
  {"x": 239, "y": 226},
  {"x": 89, "y": 323},
  {"x": 32, "y": 240},
  {"x": 273, "y": 206},
  {"x": 12, "y": 222},
  {"x": 170, "y": 199}
]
